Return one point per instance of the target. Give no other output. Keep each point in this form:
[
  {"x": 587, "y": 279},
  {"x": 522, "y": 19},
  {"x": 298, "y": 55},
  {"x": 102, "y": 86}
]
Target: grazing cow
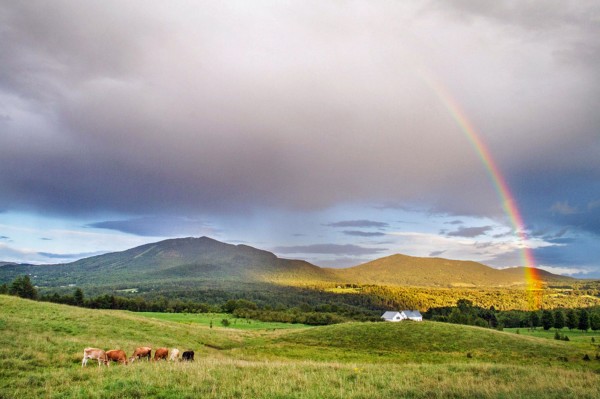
[
  {"x": 94, "y": 353},
  {"x": 174, "y": 354},
  {"x": 161, "y": 354},
  {"x": 116, "y": 355},
  {"x": 141, "y": 352},
  {"x": 188, "y": 355}
]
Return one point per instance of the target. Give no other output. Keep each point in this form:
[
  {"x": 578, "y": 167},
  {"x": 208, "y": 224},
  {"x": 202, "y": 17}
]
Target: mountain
[
  {"x": 2, "y": 263},
  {"x": 183, "y": 261},
  {"x": 194, "y": 262},
  {"x": 406, "y": 270},
  {"x": 519, "y": 271}
]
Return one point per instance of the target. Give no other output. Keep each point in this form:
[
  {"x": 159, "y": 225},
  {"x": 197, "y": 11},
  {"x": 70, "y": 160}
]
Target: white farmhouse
[{"x": 413, "y": 315}]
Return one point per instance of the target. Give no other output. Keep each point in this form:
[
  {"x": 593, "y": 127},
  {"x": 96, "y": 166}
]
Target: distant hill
[
  {"x": 190, "y": 261},
  {"x": 2, "y": 263},
  {"x": 519, "y": 272},
  {"x": 403, "y": 270},
  {"x": 175, "y": 260}
]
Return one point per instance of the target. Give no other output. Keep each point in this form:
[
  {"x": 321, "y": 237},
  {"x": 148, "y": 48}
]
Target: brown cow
[
  {"x": 116, "y": 355},
  {"x": 161, "y": 354},
  {"x": 143, "y": 351},
  {"x": 94, "y": 353}
]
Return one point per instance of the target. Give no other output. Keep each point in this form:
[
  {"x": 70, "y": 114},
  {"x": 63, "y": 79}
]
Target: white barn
[{"x": 413, "y": 315}]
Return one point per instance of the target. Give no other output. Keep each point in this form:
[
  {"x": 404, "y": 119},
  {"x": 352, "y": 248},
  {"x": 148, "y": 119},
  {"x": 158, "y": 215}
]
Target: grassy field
[
  {"x": 41, "y": 346},
  {"x": 205, "y": 319},
  {"x": 574, "y": 335}
]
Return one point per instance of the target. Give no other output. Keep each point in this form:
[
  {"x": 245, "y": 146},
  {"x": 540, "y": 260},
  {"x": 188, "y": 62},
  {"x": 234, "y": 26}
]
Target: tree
[
  {"x": 534, "y": 320},
  {"x": 23, "y": 288},
  {"x": 559, "y": 319},
  {"x": 595, "y": 321},
  {"x": 584, "y": 320},
  {"x": 493, "y": 321},
  {"x": 464, "y": 305},
  {"x": 78, "y": 297},
  {"x": 547, "y": 320},
  {"x": 571, "y": 319},
  {"x": 4, "y": 289}
]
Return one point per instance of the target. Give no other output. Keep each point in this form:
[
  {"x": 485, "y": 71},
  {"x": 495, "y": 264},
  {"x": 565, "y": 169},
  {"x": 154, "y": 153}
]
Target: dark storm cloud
[
  {"x": 358, "y": 233},
  {"x": 222, "y": 108},
  {"x": 358, "y": 223},
  {"x": 158, "y": 226},
  {"x": 468, "y": 232},
  {"x": 331, "y": 249},
  {"x": 435, "y": 254},
  {"x": 560, "y": 200}
]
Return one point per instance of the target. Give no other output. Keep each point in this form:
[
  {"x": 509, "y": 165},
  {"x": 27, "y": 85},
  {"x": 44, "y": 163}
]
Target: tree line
[
  {"x": 316, "y": 306},
  {"x": 466, "y": 313},
  {"x": 320, "y": 314}
]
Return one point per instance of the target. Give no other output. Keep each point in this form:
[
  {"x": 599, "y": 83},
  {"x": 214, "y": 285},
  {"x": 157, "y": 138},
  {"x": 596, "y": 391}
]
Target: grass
[
  {"x": 41, "y": 346},
  {"x": 205, "y": 319},
  {"x": 577, "y": 336}
]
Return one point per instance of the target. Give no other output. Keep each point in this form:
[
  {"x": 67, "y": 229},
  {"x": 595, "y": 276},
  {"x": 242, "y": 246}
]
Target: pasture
[
  {"x": 205, "y": 319},
  {"x": 41, "y": 347},
  {"x": 576, "y": 336}
]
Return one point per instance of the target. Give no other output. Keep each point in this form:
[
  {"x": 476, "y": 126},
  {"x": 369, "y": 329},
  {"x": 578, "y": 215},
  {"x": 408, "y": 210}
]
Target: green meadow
[
  {"x": 41, "y": 346},
  {"x": 216, "y": 320}
]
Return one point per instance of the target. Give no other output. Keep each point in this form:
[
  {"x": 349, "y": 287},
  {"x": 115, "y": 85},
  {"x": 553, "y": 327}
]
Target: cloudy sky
[{"x": 311, "y": 129}]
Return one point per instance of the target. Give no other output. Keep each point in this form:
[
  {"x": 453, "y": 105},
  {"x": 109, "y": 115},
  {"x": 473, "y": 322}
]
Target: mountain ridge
[{"x": 205, "y": 259}]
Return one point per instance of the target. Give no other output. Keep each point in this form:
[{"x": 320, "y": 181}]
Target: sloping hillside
[
  {"x": 517, "y": 273},
  {"x": 423, "y": 272},
  {"x": 41, "y": 346},
  {"x": 183, "y": 259}
]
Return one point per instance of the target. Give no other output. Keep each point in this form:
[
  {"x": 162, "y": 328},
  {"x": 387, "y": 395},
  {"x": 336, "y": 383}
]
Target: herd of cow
[{"x": 118, "y": 355}]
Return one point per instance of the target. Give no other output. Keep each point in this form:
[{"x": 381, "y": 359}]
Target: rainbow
[{"x": 509, "y": 204}]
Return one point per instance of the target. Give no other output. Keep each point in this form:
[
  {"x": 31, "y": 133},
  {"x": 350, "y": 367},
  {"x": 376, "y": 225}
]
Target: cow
[
  {"x": 161, "y": 354},
  {"x": 174, "y": 354},
  {"x": 141, "y": 352},
  {"x": 188, "y": 356},
  {"x": 116, "y": 355},
  {"x": 94, "y": 353}
]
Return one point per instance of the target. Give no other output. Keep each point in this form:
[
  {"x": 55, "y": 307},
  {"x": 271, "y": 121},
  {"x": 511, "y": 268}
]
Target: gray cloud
[
  {"x": 332, "y": 249},
  {"x": 563, "y": 208},
  {"x": 341, "y": 262},
  {"x": 235, "y": 108},
  {"x": 51, "y": 255},
  {"x": 158, "y": 226},
  {"x": 469, "y": 232},
  {"x": 358, "y": 233},
  {"x": 358, "y": 223},
  {"x": 435, "y": 254},
  {"x": 4, "y": 238}
]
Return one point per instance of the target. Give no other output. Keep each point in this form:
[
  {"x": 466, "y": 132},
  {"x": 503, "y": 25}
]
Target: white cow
[
  {"x": 94, "y": 353},
  {"x": 174, "y": 354}
]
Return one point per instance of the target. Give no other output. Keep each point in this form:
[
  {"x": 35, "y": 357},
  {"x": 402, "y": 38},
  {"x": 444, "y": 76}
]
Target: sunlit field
[{"x": 42, "y": 344}]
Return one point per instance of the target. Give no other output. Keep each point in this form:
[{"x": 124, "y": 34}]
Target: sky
[{"x": 315, "y": 130}]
